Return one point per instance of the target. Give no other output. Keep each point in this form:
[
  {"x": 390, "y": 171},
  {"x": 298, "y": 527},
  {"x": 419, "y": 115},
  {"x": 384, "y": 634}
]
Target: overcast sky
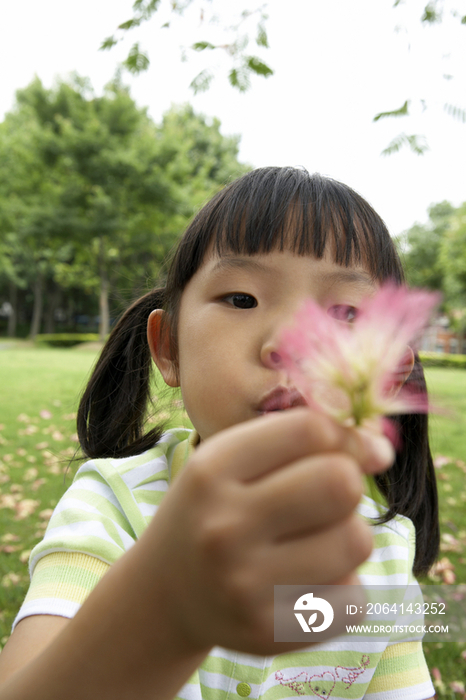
[{"x": 337, "y": 63}]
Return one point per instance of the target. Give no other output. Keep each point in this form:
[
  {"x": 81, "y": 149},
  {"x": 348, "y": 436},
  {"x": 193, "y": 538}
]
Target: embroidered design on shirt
[{"x": 323, "y": 684}]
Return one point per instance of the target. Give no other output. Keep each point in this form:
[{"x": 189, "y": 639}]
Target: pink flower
[
  {"x": 457, "y": 686},
  {"x": 355, "y": 371}
]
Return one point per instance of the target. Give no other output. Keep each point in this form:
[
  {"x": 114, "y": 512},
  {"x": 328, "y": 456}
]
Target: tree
[
  {"x": 224, "y": 33},
  {"x": 96, "y": 194},
  {"x": 453, "y": 258},
  {"x": 421, "y": 246},
  {"x": 435, "y": 257}
]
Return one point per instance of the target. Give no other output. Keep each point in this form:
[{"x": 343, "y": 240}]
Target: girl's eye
[
  {"x": 241, "y": 301},
  {"x": 343, "y": 312}
]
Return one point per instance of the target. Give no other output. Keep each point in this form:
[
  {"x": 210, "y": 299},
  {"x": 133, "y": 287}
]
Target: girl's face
[{"x": 230, "y": 317}]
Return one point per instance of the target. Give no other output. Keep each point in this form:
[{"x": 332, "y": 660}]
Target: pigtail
[
  {"x": 410, "y": 486},
  {"x": 112, "y": 410}
]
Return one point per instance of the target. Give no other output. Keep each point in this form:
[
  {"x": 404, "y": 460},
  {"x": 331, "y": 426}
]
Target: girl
[{"x": 125, "y": 604}]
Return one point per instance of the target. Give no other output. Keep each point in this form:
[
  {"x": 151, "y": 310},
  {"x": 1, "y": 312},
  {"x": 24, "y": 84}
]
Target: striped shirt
[{"x": 107, "y": 508}]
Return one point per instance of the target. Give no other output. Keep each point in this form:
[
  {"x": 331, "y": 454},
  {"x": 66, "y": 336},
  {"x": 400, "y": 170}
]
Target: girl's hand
[{"x": 268, "y": 502}]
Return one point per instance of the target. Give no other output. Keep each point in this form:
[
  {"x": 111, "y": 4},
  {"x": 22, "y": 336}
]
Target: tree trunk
[
  {"x": 104, "y": 320},
  {"x": 13, "y": 317},
  {"x": 38, "y": 303},
  {"x": 53, "y": 299}
]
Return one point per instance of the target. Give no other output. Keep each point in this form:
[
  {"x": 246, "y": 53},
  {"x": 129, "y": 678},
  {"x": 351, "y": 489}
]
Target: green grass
[
  {"x": 447, "y": 388},
  {"x": 40, "y": 388}
]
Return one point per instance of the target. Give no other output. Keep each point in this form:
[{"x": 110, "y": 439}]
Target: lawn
[{"x": 40, "y": 390}]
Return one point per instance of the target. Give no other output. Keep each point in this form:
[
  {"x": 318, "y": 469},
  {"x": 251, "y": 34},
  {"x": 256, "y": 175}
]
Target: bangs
[{"x": 273, "y": 209}]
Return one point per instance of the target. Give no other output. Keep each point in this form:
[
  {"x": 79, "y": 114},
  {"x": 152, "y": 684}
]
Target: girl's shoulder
[
  {"x": 110, "y": 502},
  {"x": 394, "y": 545},
  {"x": 151, "y": 464}
]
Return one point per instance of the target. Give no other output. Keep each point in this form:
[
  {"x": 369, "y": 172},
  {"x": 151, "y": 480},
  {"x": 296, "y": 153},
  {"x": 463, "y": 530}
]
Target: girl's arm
[{"x": 267, "y": 502}]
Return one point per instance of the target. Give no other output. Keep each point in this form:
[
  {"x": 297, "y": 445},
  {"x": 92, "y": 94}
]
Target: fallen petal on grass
[
  {"x": 25, "y": 508},
  {"x": 46, "y": 514},
  {"x": 23, "y": 418},
  {"x": 31, "y": 474},
  {"x": 457, "y": 686},
  {"x": 10, "y": 537},
  {"x": 11, "y": 579},
  {"x": 441, "y": 461},
  {"x": 35, "y": 486},
  {"x": 70, "y": 416},
  {"x": 9, "y": 548},
  {"x": 7, "y": 500},
  {"x": 41, "y": 445},
  {"x": 24, "y": 556}
]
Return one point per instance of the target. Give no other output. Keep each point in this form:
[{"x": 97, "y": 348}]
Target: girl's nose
[{"x": 270, "y": 357}]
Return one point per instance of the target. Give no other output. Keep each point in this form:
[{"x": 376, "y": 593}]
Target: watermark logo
[
  {"x": 308, "y": 603},
  {"x": 365, "y": 614}
]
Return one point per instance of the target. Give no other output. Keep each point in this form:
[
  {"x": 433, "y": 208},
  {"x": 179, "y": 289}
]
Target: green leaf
[
  {"x": 257, "y": 66},
  {"x": 463, "y": 20},
  {"x": 146, "y": 8},
  {"x": 201, "y": 45},
  {"x": 130, "y": 23},
  {"x": 239, "y": 78},
  {"x": 430, "y": 14},
  {"x": 145, "y": 5},
  {"x": 202, "y": 81},
  {"x": 455, "y": 112},
  {"x": 261, "y": 39},
  {"x": 401, "y": 112},
  {"x": 108, "y": 43},
  {"x": 137, "y": 62},
  {"x": 416, "y": 143}
]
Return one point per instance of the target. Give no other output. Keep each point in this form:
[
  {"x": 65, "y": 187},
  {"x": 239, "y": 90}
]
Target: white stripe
[
  {"x": 148, "y": 510},
  {"x": 388, "y": 552},
  {"x": 77, "y": 531},
  {"x": 400, "y": 579},
  {"x": 417, "y": 692},
  {"x": 47, "y": 606},
  {"x": 92, "y": 485},
  {"x": 135, "y": 476},
  {"x": 76, "y": 505},
  {"x": 159, "y": 485},
  {"x": 190, "y": 691}
]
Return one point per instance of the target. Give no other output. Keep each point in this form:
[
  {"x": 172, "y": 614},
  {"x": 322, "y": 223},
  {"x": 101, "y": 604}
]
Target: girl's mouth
[{"x": 280, "y": 399}]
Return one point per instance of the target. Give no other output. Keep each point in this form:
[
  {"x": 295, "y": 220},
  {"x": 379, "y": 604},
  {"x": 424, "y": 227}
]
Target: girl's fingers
[
  {"x": 319, "y": 558},
  {"x": 279, "y": 439},
  {"x": 310, "y": 494}
]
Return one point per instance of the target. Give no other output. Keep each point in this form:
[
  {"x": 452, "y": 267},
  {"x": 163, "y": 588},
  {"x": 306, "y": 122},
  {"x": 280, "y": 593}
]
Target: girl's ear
[
  {"x": 159, "y": 344},
  {"x": 404, "y": 369}
]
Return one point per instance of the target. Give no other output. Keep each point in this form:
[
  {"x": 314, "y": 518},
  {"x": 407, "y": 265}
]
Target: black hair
[{"x": 267, "y": 209}]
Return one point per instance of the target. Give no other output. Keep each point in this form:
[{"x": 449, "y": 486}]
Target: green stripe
[
  {"x": 67, "y": 575},
  {"x": 213, "y": 693},
  {"x": 385, "y": 539},
  {"x": 105, "y": 508},
  {"x": 89, "y": 544},
  {"x": 81, "y": 516},
  {"x": 152, "y": 498},
  {"x": 125, "y": 497},
  {"x": 408, "y": 662},
  {"x": 161, "y": 475},
  {"x": 383, "y": 568}
]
